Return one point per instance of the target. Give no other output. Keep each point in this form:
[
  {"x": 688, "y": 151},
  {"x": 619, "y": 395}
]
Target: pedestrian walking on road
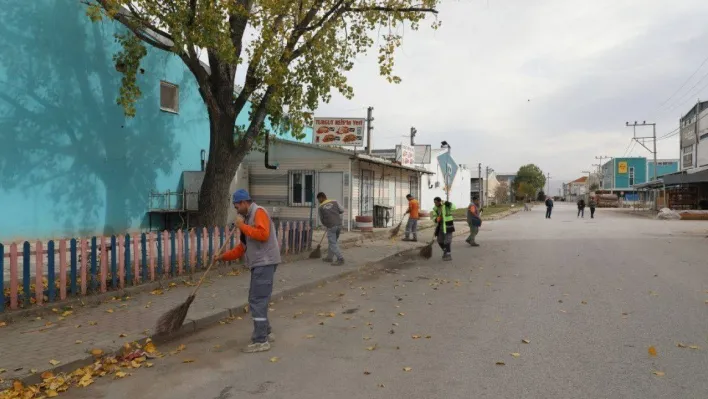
[
  {"x": 413, "y": 215},
  {"x": 259, "y": 244},
  {"x": 445, "y": 226},
  {"x": 581, "y": 208},
  {"x": 474, "y": 221},
  {"x": 592, "y": 204},
  {"x": 331, "y": 218},
  {"x": 549, "y": 207}
]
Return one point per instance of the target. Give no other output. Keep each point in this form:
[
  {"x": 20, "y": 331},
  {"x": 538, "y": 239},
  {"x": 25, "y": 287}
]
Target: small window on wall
[
  {"x": 169, "y": 97},
  {"x": 301, "y": 188}
]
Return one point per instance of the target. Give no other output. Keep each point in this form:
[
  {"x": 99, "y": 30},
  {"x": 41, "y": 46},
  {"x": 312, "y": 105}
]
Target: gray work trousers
[
  {"x": 445, "y": 241},
  {"x": 412, "y": 228},
  {"x": 258, "y": 299},
  {"x": 333, "y": 251}
]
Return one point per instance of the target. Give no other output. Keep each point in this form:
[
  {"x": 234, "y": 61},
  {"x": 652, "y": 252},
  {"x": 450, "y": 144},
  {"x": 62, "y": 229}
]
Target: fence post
[
  {"x": 114, "y": 263},
  {"x": 62, "y": 269},
  {"x": 94, "y": 261},
  {"x": 26, "y": 272},
  {"x": 14, "y": 284},
  {"x": 104, "y": 264},
  {"x": 173, "y": 254},
  {"x": 128, "y": 270},
  {"x": 136, "y": 260},
  {"x": 2, "y": 278},
  {"x": 121, "y": 264},
  {"x": 199, "y": 249},
  {"x": 83, "y": 253},
  {"x": 72, "y": 263},
  {"x": 159, "y": 254},
  {"x": 51, "y": 277},
  {"x": 38, "y": 273},
  {"x": 221, "y": 237},
  {"x": 211, "y": 246},
  {"x": 151, "y": 249},
  {"x": 180, "y": 252},
  {"x": 192, "y": 250},
  {"x": 143, "y": 242},
  {"x": 166, "y": 252}
]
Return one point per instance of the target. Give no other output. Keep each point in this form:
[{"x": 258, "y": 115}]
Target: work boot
[
  {"x": 447, "y": 256},
  {"x": 339, "y": 262},
  {"x": 257, "y": 347},
  {"x": 327, "y": 260},
  {"x": 271, "y": 337},
  {"x": 473, "y": 244},
  {"x": 406, "y": 239}
]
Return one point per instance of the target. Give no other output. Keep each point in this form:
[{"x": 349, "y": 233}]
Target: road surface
[{"x": 589, "y": 296}]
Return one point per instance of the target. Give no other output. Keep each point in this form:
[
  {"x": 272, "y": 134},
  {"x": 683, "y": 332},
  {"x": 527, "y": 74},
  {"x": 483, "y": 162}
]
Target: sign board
[
  {"x": 407, "y": 155},
  {"x": 339, "y": 131},
  {"x": 622, "y": 167},
  {"x": 449, "y": 169}
]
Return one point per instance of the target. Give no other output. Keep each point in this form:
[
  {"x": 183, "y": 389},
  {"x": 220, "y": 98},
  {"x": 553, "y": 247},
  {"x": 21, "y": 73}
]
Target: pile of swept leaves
[{"x": 131, "y": 356}]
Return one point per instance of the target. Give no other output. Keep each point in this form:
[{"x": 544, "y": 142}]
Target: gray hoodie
[{"x": 331, "y": 213}]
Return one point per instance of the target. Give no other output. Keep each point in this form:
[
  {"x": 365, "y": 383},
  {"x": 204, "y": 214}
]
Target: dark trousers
[
  {"x": 258, "y": 299},
  {"x": 445, "y": 241},
  {"x": 592, "y": 213},
  {"x": 549, "y": 209},
  {"x": 581, "y": 212}
]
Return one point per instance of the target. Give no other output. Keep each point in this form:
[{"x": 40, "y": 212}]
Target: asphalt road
[{"x": 590, "y": 297}]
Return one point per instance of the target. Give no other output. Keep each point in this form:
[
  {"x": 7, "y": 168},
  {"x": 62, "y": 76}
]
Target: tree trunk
[{"x": 222, "y": 163}]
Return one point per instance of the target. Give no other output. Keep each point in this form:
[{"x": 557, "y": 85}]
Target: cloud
[{"x": 549, "y": 81}]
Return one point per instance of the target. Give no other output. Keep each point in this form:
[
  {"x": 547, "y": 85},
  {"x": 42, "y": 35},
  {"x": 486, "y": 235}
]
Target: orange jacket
[{"x": 259, "y": 231}]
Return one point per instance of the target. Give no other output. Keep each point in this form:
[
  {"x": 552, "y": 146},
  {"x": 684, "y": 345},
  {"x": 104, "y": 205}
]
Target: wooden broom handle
[{"x": 213, "y": 260}]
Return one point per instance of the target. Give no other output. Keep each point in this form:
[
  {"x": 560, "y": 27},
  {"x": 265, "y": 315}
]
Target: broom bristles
[
  {"x": 427, "y": 251},
  {"x": 174, "y": 318},
  {"x": 394, "y": 231},
  {"x": 317, "y": 253}
]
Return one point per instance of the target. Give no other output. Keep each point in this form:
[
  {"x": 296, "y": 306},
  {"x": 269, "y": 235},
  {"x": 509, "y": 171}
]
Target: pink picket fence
[{"x": 44, "y": 272}]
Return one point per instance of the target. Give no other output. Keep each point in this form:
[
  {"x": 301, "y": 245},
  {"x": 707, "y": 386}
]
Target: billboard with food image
[{"x": 339, "y": 131}]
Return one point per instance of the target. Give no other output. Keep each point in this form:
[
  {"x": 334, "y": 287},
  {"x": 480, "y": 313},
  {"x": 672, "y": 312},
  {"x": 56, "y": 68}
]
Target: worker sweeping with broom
[
  {"x": 445, "y": 226},
  {"x": 259, "y": 243},
  {"x": 413, "y": 213},
  {"x": 331, "y": 217}
]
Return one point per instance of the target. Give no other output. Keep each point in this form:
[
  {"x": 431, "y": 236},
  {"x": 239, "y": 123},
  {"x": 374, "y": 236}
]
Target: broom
[
  {"x": 317, "y": 253},
  {"x": 173, "y": 319},
  {"x": 394, "y": 232},
  {"x": 427, "y": 251}
]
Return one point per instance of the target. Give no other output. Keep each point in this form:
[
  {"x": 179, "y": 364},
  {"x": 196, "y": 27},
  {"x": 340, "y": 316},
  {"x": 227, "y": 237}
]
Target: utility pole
[
  {"x": 479, "y": 182},
  {"x": 369, "y": 128},
  {"x": 642, "y": 139},
  {"x": 413, "y": 133},
  {"x": 548, "y": 183},
  {"x": 600, "y": 171},
  {"x": 486, "y": 184}
]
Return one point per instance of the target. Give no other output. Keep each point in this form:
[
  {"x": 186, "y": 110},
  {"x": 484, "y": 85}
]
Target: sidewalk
[{"x": 68, "y": 335}]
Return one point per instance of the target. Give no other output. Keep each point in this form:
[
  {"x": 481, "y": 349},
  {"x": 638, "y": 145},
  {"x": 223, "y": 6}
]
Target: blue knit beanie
[{"x": 240, "y": 195}]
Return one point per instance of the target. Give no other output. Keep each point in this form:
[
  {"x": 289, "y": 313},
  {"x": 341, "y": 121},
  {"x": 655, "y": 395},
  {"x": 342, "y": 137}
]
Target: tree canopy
[
  {"x": 294, "y": 54},
  {"x": 532, "y": 175}
]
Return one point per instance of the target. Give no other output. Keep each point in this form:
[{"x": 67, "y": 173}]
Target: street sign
[{"x": 449, "y": 169}]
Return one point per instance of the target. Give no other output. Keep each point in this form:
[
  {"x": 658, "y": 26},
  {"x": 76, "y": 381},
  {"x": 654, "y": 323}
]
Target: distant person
[
  {"x": 474, "y": 221},
  {"x": 592, "y": 204},
  {"x": 412, "y": 225},
  {"x": 331, "y": 217},
  {"x": 581, "y": 208},
  {"x": 445, "y": 226},
  {"x": 549, "y": 207}
]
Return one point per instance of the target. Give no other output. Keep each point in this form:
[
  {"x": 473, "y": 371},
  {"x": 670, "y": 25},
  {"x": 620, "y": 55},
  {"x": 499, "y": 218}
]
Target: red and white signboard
[
  {"x": 339, "y": 131},
  {"x": 407, "y": 155}
]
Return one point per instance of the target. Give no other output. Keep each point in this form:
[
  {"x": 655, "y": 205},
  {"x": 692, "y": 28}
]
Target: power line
[{"x": 684, "y": 83}]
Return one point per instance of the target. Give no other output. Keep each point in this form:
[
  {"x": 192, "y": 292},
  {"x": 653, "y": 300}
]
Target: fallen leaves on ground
[
  {"x": 150, "y": 347},
  {"x": 188, "y": 361},
  {"x": 371, "y": 348},
  {"x": 309, "y": 336},
  {"x": 96, "y": 352},
  {"x": 415, "y": 336},
  {"x": 682, "y": 345},
  {"x": 525, "y": 341},
  {"x": 274, "y": 359},
  {"x": 54, "y": 362},
  {"x": 500, "y": 364},
  {"x": 658, "y": 373},
  {"x": 52, "y": 385},
  {"x": 652, "y": 351},
  {"x": 109, "y": 310},
  {"x": 3, "y": 324},
  {"x": 515, "y": 354},
  {"x": 157, "y": 292},
  {"x": 367, "y": 372},
  {"x": 407, "y": 369},
  {"x": 93, "y": 323},
  {"x": 123, "y": 335}
]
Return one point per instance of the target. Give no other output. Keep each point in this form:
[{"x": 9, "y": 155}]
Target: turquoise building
[
  {"x": 70, "y": 162},
  {"x": 622, "y": 174}
]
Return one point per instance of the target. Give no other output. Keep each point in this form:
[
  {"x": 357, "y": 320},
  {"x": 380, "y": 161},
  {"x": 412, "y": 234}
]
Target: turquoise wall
[
  {"x": 70, "y": 162},
  {"x": 640, "y": 172},
  {"x": 661, "y": 169}
]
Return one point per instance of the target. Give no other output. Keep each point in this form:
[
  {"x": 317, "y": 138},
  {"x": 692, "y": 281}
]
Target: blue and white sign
[{"x": 448, "y": 167}]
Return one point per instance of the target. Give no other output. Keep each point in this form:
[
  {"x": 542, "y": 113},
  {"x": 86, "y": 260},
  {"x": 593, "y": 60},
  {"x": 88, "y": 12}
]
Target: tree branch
[{"x": 392, "y": 9}]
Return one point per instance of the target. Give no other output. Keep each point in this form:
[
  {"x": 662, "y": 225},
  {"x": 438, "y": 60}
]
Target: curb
[{"x": 193, "y": 326}]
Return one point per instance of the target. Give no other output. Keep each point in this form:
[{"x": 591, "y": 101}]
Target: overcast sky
[{"x": 552, "y": 82}]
